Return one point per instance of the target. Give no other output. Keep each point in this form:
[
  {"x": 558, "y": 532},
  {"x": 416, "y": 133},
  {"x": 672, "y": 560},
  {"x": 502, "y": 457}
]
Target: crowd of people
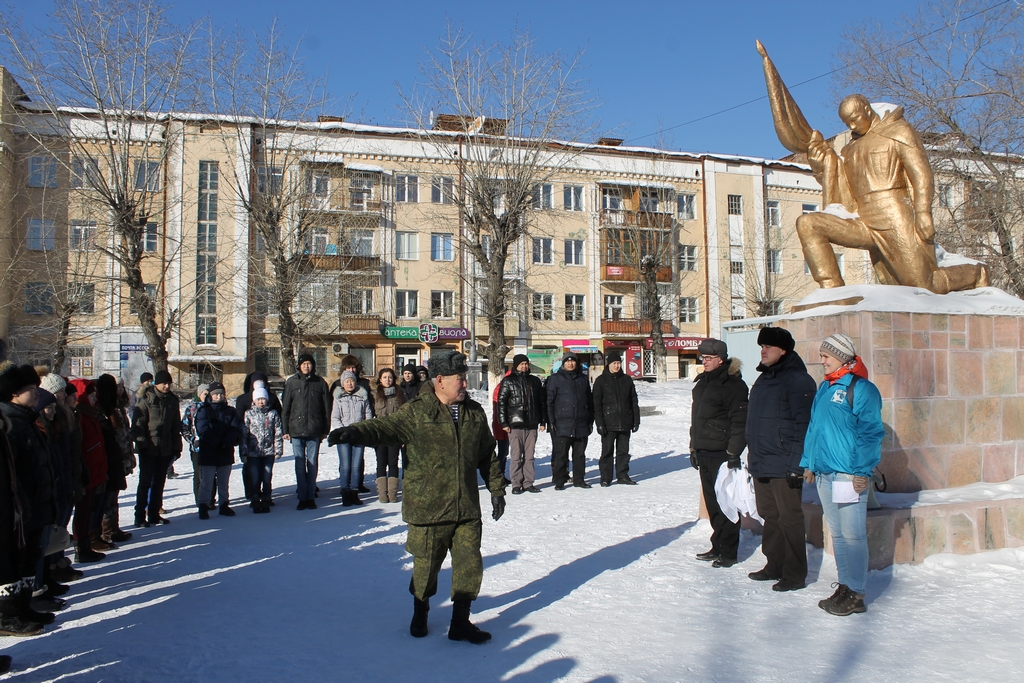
[{"x": 70, "y": 446}]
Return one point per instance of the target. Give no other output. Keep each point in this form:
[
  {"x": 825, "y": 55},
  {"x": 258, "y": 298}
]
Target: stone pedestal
[{"x": 952, "y": 388}]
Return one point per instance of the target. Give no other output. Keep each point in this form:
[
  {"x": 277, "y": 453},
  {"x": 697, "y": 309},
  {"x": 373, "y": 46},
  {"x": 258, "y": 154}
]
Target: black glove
[
  {"x": 601, "y": 431},
  {"x": 341, "y": 435},
  {"x": 636, "y": 428},
  {"x": 734, "y": 462},
  {"x": 693, "y": 461},
  {"x": 794, "y": 480},
  {"x": 497, "y": 507}
]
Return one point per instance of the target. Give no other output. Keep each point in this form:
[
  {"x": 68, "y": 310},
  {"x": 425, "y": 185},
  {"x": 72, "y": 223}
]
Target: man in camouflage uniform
[{"x": 449, "y": 441}]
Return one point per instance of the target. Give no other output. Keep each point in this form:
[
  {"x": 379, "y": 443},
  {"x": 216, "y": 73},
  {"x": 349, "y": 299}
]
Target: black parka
[
  {"x": 570, "y": 404},
  {"x": 219, "y": 431},
  {"x": 777, "y": 417},
  {"x": 32, "y": 465},
  {"x": 616, "y": 406},
  {"x": 306, "y": 408},
  {"x": 522, "y": 403},
  {"x": 718, "y": 416},
  {"x": 244, "y": 400},
  {"x": 156, "y": 424}
]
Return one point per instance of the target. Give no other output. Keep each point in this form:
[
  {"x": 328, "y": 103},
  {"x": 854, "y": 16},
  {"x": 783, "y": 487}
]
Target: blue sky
[{"x": 652, "y": 65}]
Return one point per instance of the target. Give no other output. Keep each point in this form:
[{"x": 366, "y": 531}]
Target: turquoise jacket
[{"x": 841, "y": 439}]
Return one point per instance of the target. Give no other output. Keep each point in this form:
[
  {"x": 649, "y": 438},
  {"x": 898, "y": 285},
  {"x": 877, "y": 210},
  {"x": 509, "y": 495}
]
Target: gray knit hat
[
  {"x": 840, "y": 347},
  {"x": 447, "y": 363}
]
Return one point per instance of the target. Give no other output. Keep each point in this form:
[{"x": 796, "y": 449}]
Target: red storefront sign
[
  {"x": 681, "y": 343},
  {"x": 614, "y": 270}
]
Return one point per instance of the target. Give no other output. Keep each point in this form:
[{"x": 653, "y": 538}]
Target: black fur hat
[
  {"x": 776, "y": 336},
  {"x": 14, "y": 378}
]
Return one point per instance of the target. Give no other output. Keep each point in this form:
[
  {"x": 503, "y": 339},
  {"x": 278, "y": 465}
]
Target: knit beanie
[
  {"x": 776, "y": 336},
  {"x": 612, "y": 357},
  {"x": 216, "y": 387},
  {"x": 260, "y": 392},
  {"x": 43, "y": 399},
  {"x": 52, "y": 382},
  {"x": 840, "y": 346},
  {"x": 519, "y": 358},
  {"x": 348, "y": 374},
  {"x": 162, "y": 377}
]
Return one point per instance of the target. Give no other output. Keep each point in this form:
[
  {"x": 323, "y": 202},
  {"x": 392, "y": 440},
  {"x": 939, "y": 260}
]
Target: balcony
[
  {"x": 631, "y": 327},
  {"x": 614, "y": 218},
  {"x": 347, "y": 263},
  {"x": 359, "y": 324},
  {"x": 622, "y": 273}
]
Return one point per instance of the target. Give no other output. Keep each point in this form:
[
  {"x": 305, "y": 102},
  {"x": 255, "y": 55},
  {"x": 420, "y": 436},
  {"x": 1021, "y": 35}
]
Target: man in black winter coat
[
  {"x": 306, "y": 421},
  {"x": 717, "y": 424},
  {"x": 617, "y": 414},
  {"x": 522, "y": 410},
  {"x": 777, "y": 418},
  {"x": 156, "y": 429},
  {"x": 570, "y": 419}
]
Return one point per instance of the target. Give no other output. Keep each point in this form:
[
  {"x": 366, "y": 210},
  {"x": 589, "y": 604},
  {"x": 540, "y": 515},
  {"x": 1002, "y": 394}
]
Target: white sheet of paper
[{"x": 842, "y": 492}]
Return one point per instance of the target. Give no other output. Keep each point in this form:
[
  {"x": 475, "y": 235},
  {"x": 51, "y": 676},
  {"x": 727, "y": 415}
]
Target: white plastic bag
[{"x": 735, "y": 492}]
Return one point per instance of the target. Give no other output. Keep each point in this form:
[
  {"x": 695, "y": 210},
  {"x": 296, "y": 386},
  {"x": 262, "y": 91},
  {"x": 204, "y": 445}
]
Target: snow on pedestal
[{"x": 950, "y": 369}]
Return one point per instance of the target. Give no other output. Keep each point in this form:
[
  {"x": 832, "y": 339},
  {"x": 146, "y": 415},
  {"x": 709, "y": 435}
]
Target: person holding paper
[{"x": 842, "y": 447}]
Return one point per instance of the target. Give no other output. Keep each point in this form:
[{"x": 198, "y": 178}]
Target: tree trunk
[
  {"x": 61, "y": 347},
  {"x": 496, "y": 348},
  {"x": 653, "y": 305}
]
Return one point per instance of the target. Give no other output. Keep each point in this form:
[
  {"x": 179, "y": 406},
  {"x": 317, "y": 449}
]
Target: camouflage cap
[{"x": 447, "y": 363}]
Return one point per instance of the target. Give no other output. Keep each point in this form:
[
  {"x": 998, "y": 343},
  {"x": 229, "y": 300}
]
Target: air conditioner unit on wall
[{"x": 339, "y": 349}]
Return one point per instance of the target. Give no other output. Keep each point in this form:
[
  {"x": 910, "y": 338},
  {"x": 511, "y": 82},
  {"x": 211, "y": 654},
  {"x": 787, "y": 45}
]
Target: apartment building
[{"x": 385, "y": 274}]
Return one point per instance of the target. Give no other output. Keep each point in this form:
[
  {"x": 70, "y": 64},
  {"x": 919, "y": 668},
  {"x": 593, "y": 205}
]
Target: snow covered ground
[{"x": 581, "y": 585}]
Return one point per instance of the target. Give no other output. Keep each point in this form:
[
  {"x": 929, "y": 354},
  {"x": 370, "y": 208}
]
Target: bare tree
[
  {"x": 957, "y": 70},
  {"x": 289, "y": 192},
  {"x": 509, "y": 118},
  {"x": 103, "y": 79}
]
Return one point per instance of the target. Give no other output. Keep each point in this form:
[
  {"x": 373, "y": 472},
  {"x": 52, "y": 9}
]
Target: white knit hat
[
  {"x": 260, "y": 392},
  {"x": 52, "y": 382},
  {"x": 839, "y": 346}
]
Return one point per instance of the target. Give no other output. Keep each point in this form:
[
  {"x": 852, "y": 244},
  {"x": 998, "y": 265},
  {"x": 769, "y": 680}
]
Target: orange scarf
[{"x": 856, "y": 366}]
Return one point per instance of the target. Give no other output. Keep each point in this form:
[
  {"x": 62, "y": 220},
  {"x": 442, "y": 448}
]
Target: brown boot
[
  {"x": 107, "y": 529},
  {"x": 382, "y": 489},
  {"x": 392, "y": 489}
]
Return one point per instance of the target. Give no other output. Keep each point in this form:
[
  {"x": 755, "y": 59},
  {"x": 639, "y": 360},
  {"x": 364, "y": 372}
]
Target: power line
[{"x": 827, "y": 73}]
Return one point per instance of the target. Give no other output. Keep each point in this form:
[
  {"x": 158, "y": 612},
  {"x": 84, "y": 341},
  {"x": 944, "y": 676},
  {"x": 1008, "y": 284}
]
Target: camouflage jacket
[{"x": 440, "y": 483}]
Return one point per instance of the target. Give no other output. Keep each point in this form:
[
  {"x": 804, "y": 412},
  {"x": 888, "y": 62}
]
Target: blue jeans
[
  {"x": 260, "y": 471},
  {"x": 307, "y": 452},
  {"x": 847, "y": 525},
  {"x": 350, "y": 464}
]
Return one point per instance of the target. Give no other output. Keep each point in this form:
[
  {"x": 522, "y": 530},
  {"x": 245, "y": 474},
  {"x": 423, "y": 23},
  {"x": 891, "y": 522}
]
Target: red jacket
[
  {"x": 94, "y": 449},
  {"x": 496, "y": 429}
]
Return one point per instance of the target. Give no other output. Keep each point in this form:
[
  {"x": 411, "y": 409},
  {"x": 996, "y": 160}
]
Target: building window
[
  {"x": 42, "y": 172},
  {"x": 268, "y": 360},
  {"x": 441, "y": 247},
  {"x": 85, "y": 173},
  {"x": 442, "y": 304},
  {"x": 83, "y": 297},
  {"x": 38, "y": 298},
  {"x": 736, "y": 267},
  {"x": 405, "y": 303},
  {"x": 317, "y": 241},
  {"x": 269, "y": 179},
  {"x": 360, "y": 302},
  {"x": 360, "y": 191},
  {"x": 650, "y": 201},
  {"x": 206, "y": 254},
  {"x": 773, "y": 214},
  {"x": 150, "y": 296},
  {"x": 319, "y": 294},
  {"x": 572, "y": 197},
  {"x": 262, "y": 300},
  {"x": 735, "y": 205},
  {"x": 575, "y": 307},
  {"x": 809, "y": 208},
  {"x": 739, "y": 309},
  {"x": 687, "y": 258},
  {"x": 611, "y": 199},
  {"x": 318, "y": 184},
  {"x": 149, "y": 238},
  {"x": 406, "y": 246},
  {"x": 81, "y": 361},
  {"x": 685, "y": 207},
  {"x": 543, "y": 306},
  {"x": 542, "y": 252},
  {"x": 773, "y": 308},
  {"x": 574, "y": 252},
  {"x": 147, "y": 176},
  {"x": 688, "y": 310},
  {"x": 82, "y": 235},
  {"x": 442, "y": 190},
  {"x": 39, "y": 234},
  {"x": 613, "y": 306},
  {"x": 361, "y": 242},
  {"x": 945, "y": 194},
  {"x": 773, "y": 260},
  {"x": 407, "y": 189},
  {"x": 542, "y": 196}
]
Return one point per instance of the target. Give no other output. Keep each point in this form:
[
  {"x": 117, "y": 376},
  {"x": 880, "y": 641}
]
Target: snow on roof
[
  {"x": 206, "y": 359},
  {"x": 893, "y": 298},
  {"x": 632, "y": 182}
]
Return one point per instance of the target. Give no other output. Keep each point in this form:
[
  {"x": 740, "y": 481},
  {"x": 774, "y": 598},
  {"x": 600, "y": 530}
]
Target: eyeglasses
[{"x": 707, "y": 358}]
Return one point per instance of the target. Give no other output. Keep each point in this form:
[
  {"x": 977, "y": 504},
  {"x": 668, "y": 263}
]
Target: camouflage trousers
[{"x": 430, "y": 544}]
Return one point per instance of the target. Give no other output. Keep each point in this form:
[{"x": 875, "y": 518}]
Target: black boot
[
  {"x": 346, "y": 497},
  {"x": 25, "y": 605},
  {"x": 85, "y": 554},
  {"x": 13, "y": 621},
  {"x": 462, "y": 628},
  {"x": 204, "y": 511},
  {"x": 5, "y": 664},
  {"x": 418, "y": 627},
  {"x": 226, "y": 510}
]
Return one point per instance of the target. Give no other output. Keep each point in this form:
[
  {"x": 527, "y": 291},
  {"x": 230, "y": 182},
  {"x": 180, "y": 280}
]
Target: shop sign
[
  {"x": 614, "y": 270},
  {"x": 682, "y": 343},
  {"x": 427, "y": 333},
  {"x": 543, "y": 360}
]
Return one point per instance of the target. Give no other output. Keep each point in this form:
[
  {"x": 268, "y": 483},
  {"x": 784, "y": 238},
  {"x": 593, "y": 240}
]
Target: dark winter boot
[
  {"x": 346, "y": 497},
  {"x": 24, "y": 602},
  {"x": 5, "y": 664},
  {"x": 140, "y": 519},
  {"x": 418, "y": 627},
  {"x": 204, "y": 511},
  {"x": 849, "y": 603},
  {"x": 834, "y": 598},
  {"x": 226, "y": 511},
  {"x": 12, "y": 621},
  {"x": 462, "y": 628},
  {"x": 85, "y": 554}
]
